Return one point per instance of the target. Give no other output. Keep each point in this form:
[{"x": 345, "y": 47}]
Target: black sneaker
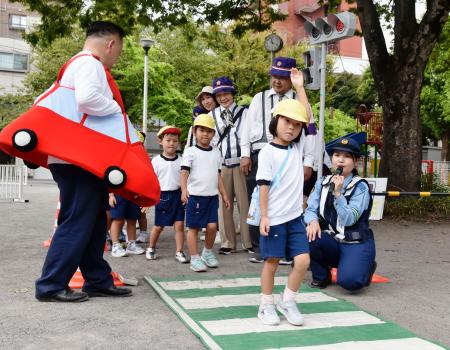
[
  {"x": 256, "y": 259},
  {"x": 321, "y": 284},
  {"x": 285, "y": 262},
  {"x": 225, "y": 251},
  {"x": 250, "y": 250}
]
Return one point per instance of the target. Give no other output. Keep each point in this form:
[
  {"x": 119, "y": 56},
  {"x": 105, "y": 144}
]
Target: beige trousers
[{"x": 235, "y": 187}]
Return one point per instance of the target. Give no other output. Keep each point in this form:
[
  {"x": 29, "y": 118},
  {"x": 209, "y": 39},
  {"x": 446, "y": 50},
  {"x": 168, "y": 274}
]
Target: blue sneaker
[
  {"x": 197, "y": 265},
  {"x": 209, "y": 259}
]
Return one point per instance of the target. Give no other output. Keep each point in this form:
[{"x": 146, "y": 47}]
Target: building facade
[{"x": 14, "y": 51}]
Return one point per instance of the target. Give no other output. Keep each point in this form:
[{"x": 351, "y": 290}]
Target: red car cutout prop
[{"x": 107, "y": 146}]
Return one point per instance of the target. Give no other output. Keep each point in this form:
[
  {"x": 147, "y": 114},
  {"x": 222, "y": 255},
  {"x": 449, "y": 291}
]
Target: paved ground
[{"x": 414, "y": 255}]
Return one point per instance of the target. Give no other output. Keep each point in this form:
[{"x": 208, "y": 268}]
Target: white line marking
[
  {"x": 245, "y": 300},
  {"x": 223, "y": 283},
  {"x": 211, "y": 344},
  {"x": 389, "y": 344},
  {"x": 312, "y": 321}
]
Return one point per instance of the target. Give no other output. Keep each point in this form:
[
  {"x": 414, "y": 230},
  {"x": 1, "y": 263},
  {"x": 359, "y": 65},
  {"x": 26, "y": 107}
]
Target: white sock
[
  {"x": 289, "y": 295},
  {"x": 267, "y": 299},
  {"x": 143, "y": 232},
  {"x": 195, "y": 257},
  {"x": 206, "y": 250},
  {"x": 115, "y": 244}
]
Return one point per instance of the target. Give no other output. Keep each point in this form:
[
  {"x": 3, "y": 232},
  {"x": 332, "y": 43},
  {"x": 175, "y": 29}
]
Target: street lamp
[{"x": 146, "y": 44}]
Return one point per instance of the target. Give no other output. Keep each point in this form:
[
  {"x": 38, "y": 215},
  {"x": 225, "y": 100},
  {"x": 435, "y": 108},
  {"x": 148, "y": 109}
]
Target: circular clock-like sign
[{"x": 273, "y": 43}]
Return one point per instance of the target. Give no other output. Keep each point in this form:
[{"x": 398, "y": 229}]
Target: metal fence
[
  {"x": 12, "y": 180},
  {"x": 442, "y": 172}
]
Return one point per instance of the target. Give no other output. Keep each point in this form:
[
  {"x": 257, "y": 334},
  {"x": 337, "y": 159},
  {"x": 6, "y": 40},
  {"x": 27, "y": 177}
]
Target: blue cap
[
  {"x": 223, "y": 84},
  {"x": 347, "y": 145},
  {"x": 197, "y": 111},
  {"x": 281, "y": 66}
]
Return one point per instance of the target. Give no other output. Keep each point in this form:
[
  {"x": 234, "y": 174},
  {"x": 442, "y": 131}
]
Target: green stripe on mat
[
  {"x": 257, "y": 341},
  {"x": 251, "y": 311}
]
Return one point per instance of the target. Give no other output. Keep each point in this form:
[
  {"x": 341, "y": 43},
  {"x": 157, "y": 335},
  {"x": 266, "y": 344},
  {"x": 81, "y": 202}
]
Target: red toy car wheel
[
  {"x": 115, "y": 177},
  {"x": 24, "y": 140}
]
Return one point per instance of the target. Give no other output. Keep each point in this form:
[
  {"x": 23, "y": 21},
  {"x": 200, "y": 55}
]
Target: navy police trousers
[
  {"x": 353, "y": 261},
  {"x": 79, "y": 239}
]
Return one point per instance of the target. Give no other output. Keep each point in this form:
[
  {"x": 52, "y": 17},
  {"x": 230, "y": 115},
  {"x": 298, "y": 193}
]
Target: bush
[{"x": 428, "y": 208}]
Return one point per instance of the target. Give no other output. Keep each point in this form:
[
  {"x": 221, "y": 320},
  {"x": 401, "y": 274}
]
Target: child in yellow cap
[
  {"x": 200, "y": 185},
  {"x": 282, "y": 232}
]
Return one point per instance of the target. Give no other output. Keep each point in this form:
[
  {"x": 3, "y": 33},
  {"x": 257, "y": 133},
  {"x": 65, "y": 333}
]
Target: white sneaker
[
  {"x": 142, "y": 238},
  {"x": 117, "y": 251},
  {"x": 132, "y": 248},
  {"x": 268, "y": 315},
  {"x": 197, "y": 265},
  {"x": 181, "y": 257},
  {"x": 290, "y": 310},
  {"x": 209, "y": 259},
  {"x": 150, "y": 254}
]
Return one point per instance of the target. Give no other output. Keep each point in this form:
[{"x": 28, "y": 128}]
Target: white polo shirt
[
  {"x": 286, "y": 199},
  {"x": 168, "y": 171},
  {"x": 204, "y": 166}
]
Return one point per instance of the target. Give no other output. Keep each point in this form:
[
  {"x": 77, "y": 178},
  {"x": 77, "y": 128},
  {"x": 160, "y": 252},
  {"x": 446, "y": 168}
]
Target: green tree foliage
[
  {"x": 435, "y": 96},
  {"x": 11, "y": 106},
  {"x": 60, "y": 17},
  {"x": 337, "y": 123},
  {"x": 343, "y": 94}
]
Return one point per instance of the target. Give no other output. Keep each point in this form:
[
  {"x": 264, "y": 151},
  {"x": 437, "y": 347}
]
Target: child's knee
[
  {"x": 301, "y": 262},
  {"x": 271, "y": 265}
]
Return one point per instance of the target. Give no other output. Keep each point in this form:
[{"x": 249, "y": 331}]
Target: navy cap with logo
[
  {"x": 281, "y": 66},
  {"x": 223, "y": 84},
  {"x": 198, "y": 110},
  {"x": 347, "y": 145}
]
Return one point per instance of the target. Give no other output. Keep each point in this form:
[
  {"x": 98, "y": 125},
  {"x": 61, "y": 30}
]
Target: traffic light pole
[{"x": 323, "y": 75}]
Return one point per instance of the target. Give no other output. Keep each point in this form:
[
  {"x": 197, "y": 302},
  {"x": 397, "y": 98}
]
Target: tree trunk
[
  {"x": 445, "y": 156},
  {"x": 402, "y": 148}
]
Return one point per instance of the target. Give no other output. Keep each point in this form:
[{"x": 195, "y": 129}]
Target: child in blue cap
[{"x": 338, "y": 223}]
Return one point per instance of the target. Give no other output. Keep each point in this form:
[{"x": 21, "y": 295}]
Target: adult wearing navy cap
[
  {"x": 229, "y": 119},
  {"x": 338, "y": 223},
  {"x": 255, "y": 133}
]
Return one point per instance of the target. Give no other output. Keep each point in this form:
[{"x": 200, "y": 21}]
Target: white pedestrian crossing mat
[{"x": 222, "y": 313}]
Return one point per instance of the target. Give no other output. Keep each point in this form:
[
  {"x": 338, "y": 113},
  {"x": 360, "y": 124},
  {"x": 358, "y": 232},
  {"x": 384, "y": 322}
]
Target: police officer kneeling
[{"x": 338, "y": 223}]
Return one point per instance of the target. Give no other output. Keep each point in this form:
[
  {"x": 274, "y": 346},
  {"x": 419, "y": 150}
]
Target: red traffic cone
[{"x": 375, "y": 278}]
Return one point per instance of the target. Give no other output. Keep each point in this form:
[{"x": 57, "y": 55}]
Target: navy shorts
[
  {"x": 125, "y": 209},
  {"x": 169, "y": 209},
  {"x": 285, "y": 240},
  {"x": 201, "y": 211}
]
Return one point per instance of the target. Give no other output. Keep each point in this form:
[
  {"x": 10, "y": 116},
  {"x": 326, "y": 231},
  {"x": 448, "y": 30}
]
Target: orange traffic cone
[
  {"x": 77, "y": 280},
  {"x": 375, "y": 278}
]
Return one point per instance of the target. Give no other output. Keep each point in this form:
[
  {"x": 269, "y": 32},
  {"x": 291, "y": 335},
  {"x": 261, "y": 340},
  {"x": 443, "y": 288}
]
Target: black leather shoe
[
  {"x": 321, "y": 284},
  {"x": 374, "y": 267},
  {"x": 66, "y": 296},
  {"x": 108, "y": 292}
]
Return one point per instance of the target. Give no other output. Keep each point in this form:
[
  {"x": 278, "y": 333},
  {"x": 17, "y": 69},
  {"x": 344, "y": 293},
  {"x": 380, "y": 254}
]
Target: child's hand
[
  {"x": 296, "y": 78},
  {"x": 184, "y": 196},
  {"x": 313, "y": 230},
  {"x": 112, "y": 200},
  {"x": 264, "y": 226},
  {"x": 144, "y": 209},
  {"x": 226, "y": 201}
]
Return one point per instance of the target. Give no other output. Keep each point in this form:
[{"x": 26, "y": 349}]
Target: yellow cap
[
  {"x": 205, "y": 120},
  {"x": 169, "y": 129},
  {"x": 292, "y": 109}
]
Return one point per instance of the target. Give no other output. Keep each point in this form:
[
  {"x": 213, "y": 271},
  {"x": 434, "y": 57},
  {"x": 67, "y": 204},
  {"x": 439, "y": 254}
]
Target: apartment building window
[
  {"x": 13, "y": 62},
  {"x": 17, "y": 22}
]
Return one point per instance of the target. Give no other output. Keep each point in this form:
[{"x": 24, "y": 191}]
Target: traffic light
[
  {"x": 311, "y": 72},
  {"x": 331, "y": 28}
]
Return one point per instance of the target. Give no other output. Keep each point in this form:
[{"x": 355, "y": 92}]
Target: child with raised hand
[
  {"x": 200, "y": 185},
  {"x": 170, "y": 210},
  {"x": 283, "y": 234}
]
